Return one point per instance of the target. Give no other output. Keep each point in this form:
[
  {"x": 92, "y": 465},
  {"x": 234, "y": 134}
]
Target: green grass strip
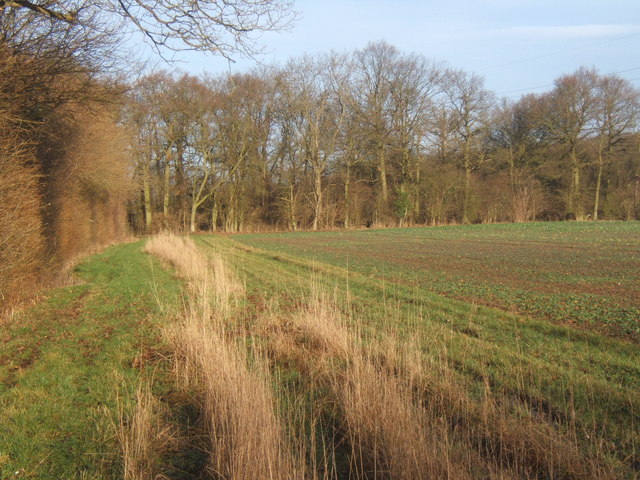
[{"x": 66, "y": 362}]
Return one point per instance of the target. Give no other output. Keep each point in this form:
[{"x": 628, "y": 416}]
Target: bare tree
[
  {"x": 374, "y": 69},
  {"x": 316, "y": 94},
  {"x": 617, "y": 113},
  {"x": 314, "y": 143},
  {"x": 142, "y": 117},
  {"x": 414, "y": 86},
  {"x": 516, "y": 133},
  {"x": 470, "y": 105},
  {"x": 243, "y": 120},
  {"x": 289, "y": 154},
  {"x": 225, "y": 27},
  {"x": 569, "y": 118}
]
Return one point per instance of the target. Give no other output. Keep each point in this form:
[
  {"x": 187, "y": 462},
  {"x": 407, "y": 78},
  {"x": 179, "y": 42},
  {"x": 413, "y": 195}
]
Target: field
[
  {"x": 547, "y": 279},
  {"x": 374, "y": 354},
  {"x": 582, "y": 274}
]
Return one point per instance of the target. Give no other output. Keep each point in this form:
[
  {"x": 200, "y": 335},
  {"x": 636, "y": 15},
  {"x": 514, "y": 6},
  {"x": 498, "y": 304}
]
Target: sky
[{"x": 518, "y": 46}]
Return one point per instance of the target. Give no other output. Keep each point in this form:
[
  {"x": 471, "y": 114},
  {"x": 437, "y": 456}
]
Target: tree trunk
[
  {"x": 466, "y": 203},
  {"x": 596, "y": 200},
  {"x": 347, "y": 185},
  {"x": 165, "y": 201},
  {"x": 214, "y": 215},
  {"x": 292, "y": 208},
  {"x": 574, "y": 192},
  {"x": 192, "y": 222},
  {"x": 516, "y": 209},
  {"x": 317, "y": 194},
  {"x": 146, "y": 187},
  {"x": 417, "y": 204},
  {"x": 382, "y": 168}
]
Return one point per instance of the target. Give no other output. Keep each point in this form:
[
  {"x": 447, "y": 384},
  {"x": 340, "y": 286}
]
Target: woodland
[
  {"x": 377, "y": 137},
  {"x": 373, "y": 137}
]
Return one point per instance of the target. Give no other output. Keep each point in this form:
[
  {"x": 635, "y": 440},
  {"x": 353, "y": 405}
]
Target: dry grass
[
  {"x": 389, "y": 433},
  {"x": 182, "y": 253},
  {"x": 142, "y": 436},
  {"x": 383, "y": 422},
  {"x": 234, "y": 394},
  {"x": 212, "y": 285},
  {"x": 403, "y": 418},
  {"x": 230, "y": 383}
]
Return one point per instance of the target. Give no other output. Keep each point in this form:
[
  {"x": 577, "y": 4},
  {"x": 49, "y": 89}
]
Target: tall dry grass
[
  {"x": 213, "y": 288},
  {"x": 231, "y": 384},
  {"x": 382, "y": 421},
  {"x": 143, "y": 435},
  {"x": 234, "y": 394},
  {"x": 388, "y": 431}
]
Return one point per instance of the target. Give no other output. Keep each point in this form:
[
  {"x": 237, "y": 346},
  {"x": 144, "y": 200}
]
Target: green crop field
[
  {"x": 565, "y": 331},
  {"x": 582, "y": 274}
]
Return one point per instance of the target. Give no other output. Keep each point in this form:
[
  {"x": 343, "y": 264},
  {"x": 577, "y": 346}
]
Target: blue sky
[{"x": 517, "y": 45}]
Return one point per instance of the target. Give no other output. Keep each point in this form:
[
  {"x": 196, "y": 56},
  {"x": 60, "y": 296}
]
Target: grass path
[{"x": 66, "y": 363}]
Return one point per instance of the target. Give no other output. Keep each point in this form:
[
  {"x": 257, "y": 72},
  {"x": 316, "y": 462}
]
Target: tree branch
[{"x": 70, "y": 17}]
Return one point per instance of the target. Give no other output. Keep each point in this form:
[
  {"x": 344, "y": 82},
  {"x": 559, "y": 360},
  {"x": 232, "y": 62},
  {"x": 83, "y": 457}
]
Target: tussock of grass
[
  {"x": 246, "y": 437},
  {"x": 209, "y": 280},
  {"x": 386, "y": 427}
]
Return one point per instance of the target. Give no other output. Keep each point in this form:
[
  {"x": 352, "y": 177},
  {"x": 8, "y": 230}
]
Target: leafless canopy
[{"x": 225, "y": 27}]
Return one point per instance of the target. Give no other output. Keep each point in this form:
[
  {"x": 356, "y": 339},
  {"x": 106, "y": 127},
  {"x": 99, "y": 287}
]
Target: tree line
[{"x": 377, "y": 137}]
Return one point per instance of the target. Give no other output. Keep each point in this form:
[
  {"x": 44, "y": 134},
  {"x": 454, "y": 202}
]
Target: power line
[
  {"x": 530, "y": 59},
  {"x": 525, "y": 89},
  {"x": 627, "y": 70},
  {"x": 551, "y": 84}
]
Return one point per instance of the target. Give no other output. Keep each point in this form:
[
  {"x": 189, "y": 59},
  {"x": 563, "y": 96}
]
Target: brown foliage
[
  {"x": 88, "y": 185},
  {"x": 21, "y": 240},
  {"x": 63, "y": 170}
]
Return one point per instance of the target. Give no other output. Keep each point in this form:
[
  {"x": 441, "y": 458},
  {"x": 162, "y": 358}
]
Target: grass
[
  {"x": 231, "y": 361},
  {"x": 382, "y": 412},
  {"x": 66, "y": 364},
  {"x": 229, "y": 382}
]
